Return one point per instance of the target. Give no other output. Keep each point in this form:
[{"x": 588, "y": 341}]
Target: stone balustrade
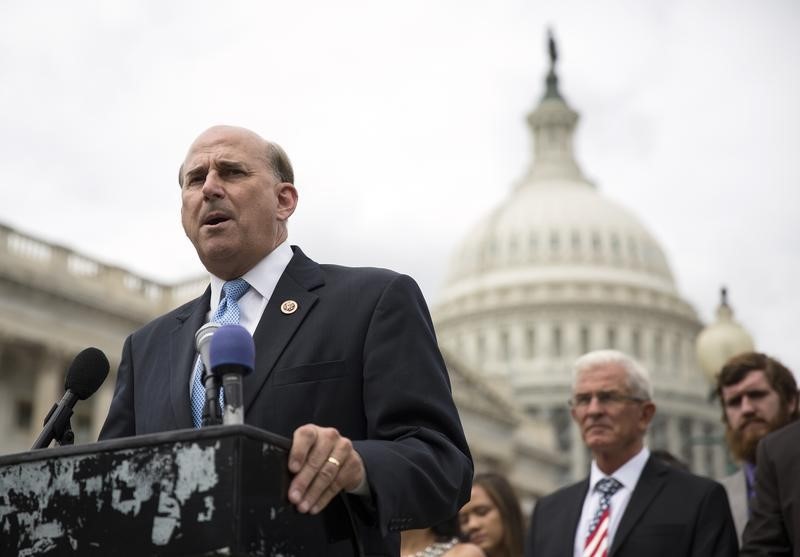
[{"x": 23, "y": 256}]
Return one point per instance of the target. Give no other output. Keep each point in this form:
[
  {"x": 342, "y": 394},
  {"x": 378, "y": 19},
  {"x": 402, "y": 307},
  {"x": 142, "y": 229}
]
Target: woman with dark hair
[
  {"x": 492, "y": 519},
  {"x": 443, "y": 540}
]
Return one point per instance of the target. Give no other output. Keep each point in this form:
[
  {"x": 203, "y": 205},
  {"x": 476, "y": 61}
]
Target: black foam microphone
[
  {"x": 232, "y": 355},
  {"x": 85, "y": 375}
]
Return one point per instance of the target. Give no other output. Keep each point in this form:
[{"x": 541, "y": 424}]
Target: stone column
[
  {"x": 720, "y": 461},
  {"x": 577, "y": 455},
  {"x": 674, "y": 442},
  {"x": 701, "y": 444},
  {"x": 48, "y": 388},
  {"x": 597, "y": 335}
]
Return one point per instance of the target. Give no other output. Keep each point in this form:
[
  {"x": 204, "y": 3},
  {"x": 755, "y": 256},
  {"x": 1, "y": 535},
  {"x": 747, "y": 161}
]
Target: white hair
[{"x": 638, "y": 376}]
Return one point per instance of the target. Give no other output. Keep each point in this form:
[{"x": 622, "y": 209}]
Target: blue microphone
[{"x": 232, "y": 355}]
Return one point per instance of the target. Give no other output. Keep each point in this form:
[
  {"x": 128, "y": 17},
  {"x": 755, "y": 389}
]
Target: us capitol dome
[{"x": 557, "y": 270}]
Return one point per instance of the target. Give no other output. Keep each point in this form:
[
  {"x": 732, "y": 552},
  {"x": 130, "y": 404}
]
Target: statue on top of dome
[
  {"x": 551, "y": 46},
  {"x": 551, "y": 91}
]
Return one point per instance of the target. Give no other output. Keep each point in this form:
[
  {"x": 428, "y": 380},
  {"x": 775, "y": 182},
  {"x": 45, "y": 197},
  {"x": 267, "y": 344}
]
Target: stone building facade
[{"x": 54, "y": 302}]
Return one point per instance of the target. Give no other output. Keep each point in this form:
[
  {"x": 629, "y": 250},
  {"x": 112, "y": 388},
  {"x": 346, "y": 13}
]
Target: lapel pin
[{"x": 288, "y": 307}]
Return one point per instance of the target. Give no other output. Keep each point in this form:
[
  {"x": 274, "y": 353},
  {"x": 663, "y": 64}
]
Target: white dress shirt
[
  {"x": 628, "y": 475},
  {"x": 263, "y": 278}
]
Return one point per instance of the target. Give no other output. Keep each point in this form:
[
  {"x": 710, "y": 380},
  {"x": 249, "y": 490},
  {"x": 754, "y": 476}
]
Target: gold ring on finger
[{"x": 335, "y": 461}]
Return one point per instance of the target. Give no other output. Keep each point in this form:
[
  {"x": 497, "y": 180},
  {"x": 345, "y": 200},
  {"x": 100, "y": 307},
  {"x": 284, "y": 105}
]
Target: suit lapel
[
  {"x": 181, "y": 356},
  {"x": 575, "y": 506},
  {"x": 649, "y": 485},
  {"x": 276, "y": 328}
]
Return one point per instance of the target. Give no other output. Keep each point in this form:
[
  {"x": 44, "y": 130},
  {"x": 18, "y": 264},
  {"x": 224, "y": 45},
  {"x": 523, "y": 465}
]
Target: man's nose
[
  {"x": 747, "y": 405},
  {"x": 212, "y": 187}
]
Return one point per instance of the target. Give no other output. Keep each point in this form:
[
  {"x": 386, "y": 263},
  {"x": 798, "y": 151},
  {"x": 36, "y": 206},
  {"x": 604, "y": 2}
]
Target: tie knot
[
  {"x": 235, "y": 289},
  {"x": 608, "y": 486}
]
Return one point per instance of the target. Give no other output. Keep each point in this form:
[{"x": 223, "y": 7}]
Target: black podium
[{"x": 213, "y": 491}]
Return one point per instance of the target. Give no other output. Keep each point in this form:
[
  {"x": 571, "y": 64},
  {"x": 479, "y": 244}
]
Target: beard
[{"x": 743, "y": 441}]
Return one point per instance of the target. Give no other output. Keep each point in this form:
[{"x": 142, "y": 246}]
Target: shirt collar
[
  {"x": 263, "y": 277},
  {"x": 627, "y": 474}
]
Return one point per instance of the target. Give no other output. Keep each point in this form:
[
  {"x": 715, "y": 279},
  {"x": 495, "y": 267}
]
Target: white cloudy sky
[{"x": 405, "y": 122}]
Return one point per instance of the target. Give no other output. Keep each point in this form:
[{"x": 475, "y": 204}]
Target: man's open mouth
[{"x": 214, "y": 219}]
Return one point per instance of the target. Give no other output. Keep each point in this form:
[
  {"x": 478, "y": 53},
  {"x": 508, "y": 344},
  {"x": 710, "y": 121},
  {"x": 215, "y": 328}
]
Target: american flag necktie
[{"x": 597, "y": 541}]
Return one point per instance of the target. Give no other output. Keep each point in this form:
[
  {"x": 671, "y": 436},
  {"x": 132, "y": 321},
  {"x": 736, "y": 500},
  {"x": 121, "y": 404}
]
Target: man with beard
[{"x": 758, "y": 395}]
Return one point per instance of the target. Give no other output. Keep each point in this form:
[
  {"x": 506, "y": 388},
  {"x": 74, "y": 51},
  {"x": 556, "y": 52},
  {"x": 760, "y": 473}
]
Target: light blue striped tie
[{"x": 227, "y": 314}]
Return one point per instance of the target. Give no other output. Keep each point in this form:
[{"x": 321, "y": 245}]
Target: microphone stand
[
  {"x": 212, "y": 413},
  {"x": 60, "y": 429},
  {"x": 234, "y": 405}
]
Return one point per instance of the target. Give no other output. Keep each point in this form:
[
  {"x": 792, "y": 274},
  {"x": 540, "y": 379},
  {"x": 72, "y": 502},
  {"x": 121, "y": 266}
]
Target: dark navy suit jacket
[{"x": 359, "y": 354}]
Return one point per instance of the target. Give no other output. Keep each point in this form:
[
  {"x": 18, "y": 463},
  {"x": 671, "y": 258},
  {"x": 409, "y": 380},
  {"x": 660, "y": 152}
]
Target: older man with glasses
[{"x": 631, "y": 504}]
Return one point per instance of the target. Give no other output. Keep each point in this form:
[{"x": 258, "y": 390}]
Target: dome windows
[
  {"x": 615, "y": 246},
  {"x": 538, "y": 243},
  {"x": 576, "y": 241},
  {"x": 533, "y": 245},
  {"x": 636, "y": 343},
  {"x": 597, "y": 244},
  {"x": 632, "y": 251},
  {"x": 505, "y": 346},
  {"x": 513, "y": 245},
  {"x": 480, "y": 348},
  {"x": 555, "y": 242},
  {"x": 676, "y": 352},
  {"x": 530, "y": 342},
  {"x": 658, "y": 349},
  {"x": 556, "y": 342},
  {"x": 585, "y": 339},
  {"x": 611, "y": 337}
]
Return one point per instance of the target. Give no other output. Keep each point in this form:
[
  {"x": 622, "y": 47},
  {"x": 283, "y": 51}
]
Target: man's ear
[
  {"x": 286, "y": 195},
  {"x": 648, "y": 411}
]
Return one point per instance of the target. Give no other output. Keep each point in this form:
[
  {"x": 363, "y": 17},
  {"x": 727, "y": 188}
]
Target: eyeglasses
[{"x": 604, "y": 398}]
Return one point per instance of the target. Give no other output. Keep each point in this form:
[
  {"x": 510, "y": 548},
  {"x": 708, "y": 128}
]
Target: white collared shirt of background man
[{"x": 628, "y": 475}]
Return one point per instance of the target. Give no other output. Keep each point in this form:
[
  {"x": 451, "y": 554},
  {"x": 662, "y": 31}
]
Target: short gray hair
[
  {"x": 278, "y": 161},
  {"x": 638, "y": 377}
]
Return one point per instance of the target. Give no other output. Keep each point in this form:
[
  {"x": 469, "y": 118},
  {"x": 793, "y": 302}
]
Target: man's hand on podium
[{"x": 325, "y": 463}]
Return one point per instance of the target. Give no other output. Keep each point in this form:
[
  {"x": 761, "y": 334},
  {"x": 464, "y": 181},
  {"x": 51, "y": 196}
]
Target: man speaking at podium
[{"x": 347, "y": 364}]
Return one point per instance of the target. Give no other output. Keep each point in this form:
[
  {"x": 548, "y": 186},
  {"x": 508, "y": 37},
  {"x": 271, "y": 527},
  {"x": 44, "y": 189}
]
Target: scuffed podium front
[{"x": 213, "y": 491}]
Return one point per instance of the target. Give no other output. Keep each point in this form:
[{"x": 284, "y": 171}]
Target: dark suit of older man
[{"x": 671, "y": 512}]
